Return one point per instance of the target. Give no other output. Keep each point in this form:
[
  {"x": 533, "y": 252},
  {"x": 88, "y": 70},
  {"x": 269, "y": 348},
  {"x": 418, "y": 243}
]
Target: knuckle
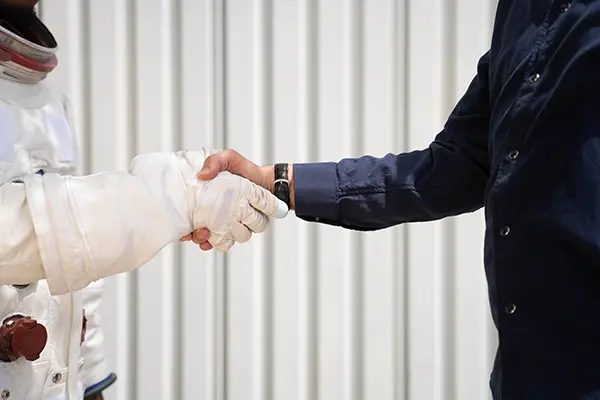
[{"x": 229, "y": 153}]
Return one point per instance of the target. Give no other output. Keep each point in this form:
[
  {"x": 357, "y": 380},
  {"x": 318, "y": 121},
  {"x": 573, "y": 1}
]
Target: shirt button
[
  {"x": 57, "y": 377},
  {"x": 513, "y": 154},
  {"x": 534, "y": 78},
  {"x": 505, "y": 231},
  {"x": 5, "y": 394},
  {"x": 510, "y": 308},
  {"x": 564, "y": 7}
]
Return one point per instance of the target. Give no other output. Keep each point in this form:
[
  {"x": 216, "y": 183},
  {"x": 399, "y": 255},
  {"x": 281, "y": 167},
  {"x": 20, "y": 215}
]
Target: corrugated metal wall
[{"x": 304, "y": 312}]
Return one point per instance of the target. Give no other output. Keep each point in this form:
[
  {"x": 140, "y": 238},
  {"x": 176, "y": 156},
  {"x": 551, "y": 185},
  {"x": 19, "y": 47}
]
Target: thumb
[
  {"x": 211, "y": 167},
  {"x": 233, "y": 162}
]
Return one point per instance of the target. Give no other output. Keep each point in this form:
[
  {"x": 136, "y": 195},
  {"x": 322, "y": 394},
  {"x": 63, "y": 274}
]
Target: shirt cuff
[{"x": 316, "y": 192}]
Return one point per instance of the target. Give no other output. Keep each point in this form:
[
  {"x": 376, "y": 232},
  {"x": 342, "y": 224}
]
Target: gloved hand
[{"x": 230, "y": 206}]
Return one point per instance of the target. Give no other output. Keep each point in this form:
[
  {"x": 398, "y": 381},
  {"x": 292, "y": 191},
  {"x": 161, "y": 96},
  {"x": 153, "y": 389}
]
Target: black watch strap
[{"x": 281, "y": 185}]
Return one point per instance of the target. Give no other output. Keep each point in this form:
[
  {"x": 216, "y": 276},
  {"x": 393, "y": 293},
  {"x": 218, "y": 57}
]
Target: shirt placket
[{"x": 507, "y": 230}]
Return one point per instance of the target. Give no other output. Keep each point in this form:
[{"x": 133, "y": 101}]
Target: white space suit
[
  {"x": 36, "y": 135},
  {"x": 61, "y": 234}
]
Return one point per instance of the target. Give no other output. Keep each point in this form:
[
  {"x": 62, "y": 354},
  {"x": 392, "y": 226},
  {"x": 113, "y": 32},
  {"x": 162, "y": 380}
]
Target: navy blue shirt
[{"x": 523, "y": 142}]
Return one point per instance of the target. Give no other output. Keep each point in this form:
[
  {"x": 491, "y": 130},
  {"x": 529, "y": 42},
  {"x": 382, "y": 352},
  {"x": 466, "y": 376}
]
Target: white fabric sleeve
[{"x": 76, "y": 230}]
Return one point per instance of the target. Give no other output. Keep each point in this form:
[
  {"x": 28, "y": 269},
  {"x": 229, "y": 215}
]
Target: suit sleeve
[{"x": 72, "y": 231}]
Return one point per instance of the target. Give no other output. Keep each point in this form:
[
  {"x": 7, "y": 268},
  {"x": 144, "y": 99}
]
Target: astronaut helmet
[{"x": 27, "y": 47}]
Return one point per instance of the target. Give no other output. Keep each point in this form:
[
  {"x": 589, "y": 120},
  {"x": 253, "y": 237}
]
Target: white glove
[{"x": 231, "y": 208}]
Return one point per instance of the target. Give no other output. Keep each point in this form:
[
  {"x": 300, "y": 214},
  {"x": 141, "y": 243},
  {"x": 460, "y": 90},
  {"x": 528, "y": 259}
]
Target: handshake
[{"x": 224, "y": 208}]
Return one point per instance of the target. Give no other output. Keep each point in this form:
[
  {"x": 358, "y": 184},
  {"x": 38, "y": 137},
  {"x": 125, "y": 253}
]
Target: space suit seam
[
  {"x": 68, "y": 207},
  {"x": 182, "y": 178},
  {"x": 41, "y": 234},
  {"x": 186, "y": 191},
  {"x": 73, "y": 213}
]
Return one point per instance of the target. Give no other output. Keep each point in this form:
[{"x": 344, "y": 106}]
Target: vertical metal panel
[
  {"x": 304, "y": 312},
  {"x": 127, "y": 288},
  {"x": 400, "y": 124},
  {"x": 308, "y": 245},
  {"x": 290, "y": 284},
  {"x": 261, "y": 106},
  {"x": 334, "y": 255},
  {"x": 203, "y": 124},
  {"x": 379, "y": 248},
  {"x": 425, "y": 117},
  {"x": 171, "y": 132},
  {"x": 352, "y": 128},
  {"x": 244, "y": 117},
  {"x": 446, "y": 260}
]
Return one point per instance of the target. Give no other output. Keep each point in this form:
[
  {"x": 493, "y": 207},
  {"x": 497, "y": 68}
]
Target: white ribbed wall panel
[{"x": 304, "y": 312}]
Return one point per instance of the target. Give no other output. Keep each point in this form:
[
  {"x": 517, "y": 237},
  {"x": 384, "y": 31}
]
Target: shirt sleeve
[
  {"x": 447, "y": 178},
  {"x": 72, "y": 231}
]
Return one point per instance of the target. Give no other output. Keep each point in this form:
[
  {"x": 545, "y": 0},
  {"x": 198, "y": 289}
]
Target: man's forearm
[{"x": 370, "y": 193}]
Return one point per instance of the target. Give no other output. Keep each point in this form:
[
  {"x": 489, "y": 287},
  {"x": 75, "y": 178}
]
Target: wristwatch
[{"x": 281, "y": 184}]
